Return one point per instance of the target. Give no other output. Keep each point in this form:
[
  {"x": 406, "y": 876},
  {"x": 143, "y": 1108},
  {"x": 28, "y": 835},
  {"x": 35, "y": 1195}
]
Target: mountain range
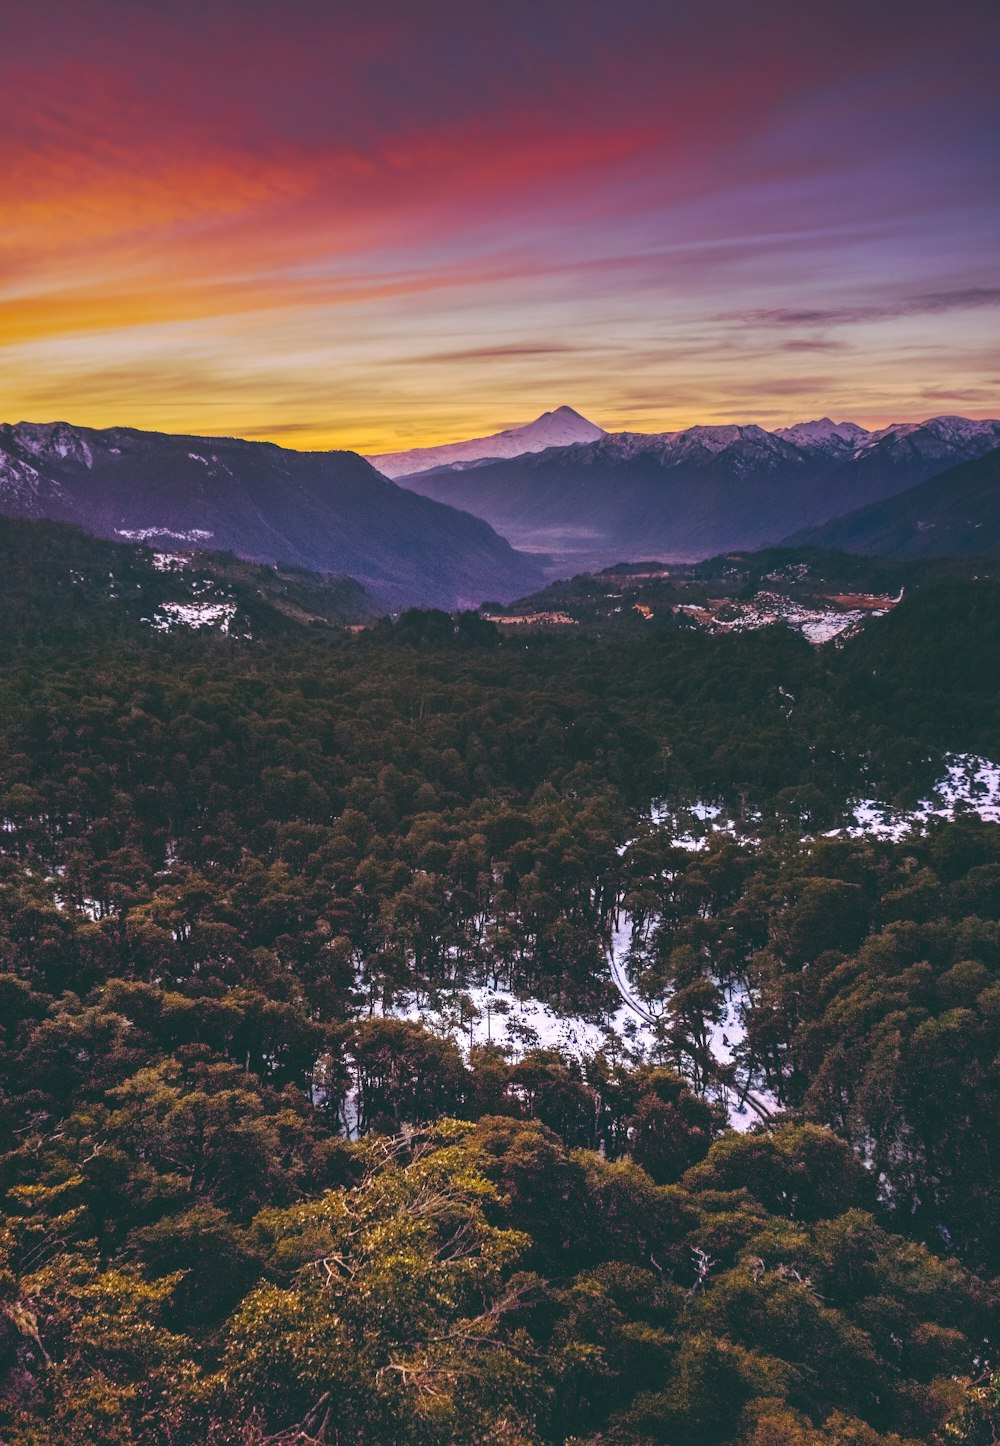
[
  {"x": 569, "y": 495},
  {"x": 692, "y": 493},
  {"x": 331, "y": 512},
  {"x": 954, "y": 513}
]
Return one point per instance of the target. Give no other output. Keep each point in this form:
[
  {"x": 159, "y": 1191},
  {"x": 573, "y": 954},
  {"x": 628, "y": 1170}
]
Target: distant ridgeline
[
  {"x": 575, "y": 497},
  {"x": 711, "y": 489}
]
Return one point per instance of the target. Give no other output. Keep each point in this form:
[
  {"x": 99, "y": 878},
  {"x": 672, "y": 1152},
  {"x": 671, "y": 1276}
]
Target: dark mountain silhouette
[
  {"x": 328, "y": 511},
  {"x": 690, "y": 494},
  {"x": 957, "y": 512}
]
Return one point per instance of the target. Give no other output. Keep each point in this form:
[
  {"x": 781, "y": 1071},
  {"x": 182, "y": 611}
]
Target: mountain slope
[
  {"x": 328, "y": 511},
  {"x": 957, "y": 512},
  {"x": 625, "y": 490},
  {"x": 561, "y": 428},
  {"x": 685, "y": 495},
  {"x": 56, "y": 580}
]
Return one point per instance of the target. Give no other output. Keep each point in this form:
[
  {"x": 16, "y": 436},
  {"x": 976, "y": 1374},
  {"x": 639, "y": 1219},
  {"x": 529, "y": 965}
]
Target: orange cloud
[{"x": 443, "y": 213}]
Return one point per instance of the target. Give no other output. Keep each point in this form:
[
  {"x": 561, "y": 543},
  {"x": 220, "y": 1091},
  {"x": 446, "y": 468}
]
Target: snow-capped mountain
[
  {"x": 939, "y": 438},
  {"x": 559, "y": 485},
  {"x": 328, "y": 511},
  {"x": 843, "y": 437},
  {"x": 705, "y": 489},
  {"x": 561, "y": 428},
  {"x": 748, "y": 448},
  {"x": 54, "y": 439},
  {"x": 25, "y": 488},
  {"x": 955, "y": 430}
]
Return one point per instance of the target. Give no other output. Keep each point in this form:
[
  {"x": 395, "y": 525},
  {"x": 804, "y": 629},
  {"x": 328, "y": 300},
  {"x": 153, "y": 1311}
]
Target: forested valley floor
[{"x": 248, "y": 1198}]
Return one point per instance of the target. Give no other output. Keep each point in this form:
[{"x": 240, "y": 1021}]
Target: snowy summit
[
  {"x": 825, "y": 433},
  {"x": 562, "y": 428}
]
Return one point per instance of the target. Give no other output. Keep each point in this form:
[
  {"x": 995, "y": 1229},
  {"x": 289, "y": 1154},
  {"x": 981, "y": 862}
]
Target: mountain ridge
[
  {"x": 699, "y": 491},
  {"x": 331, "y": 512},
  {"x": 954, "y": 513}
]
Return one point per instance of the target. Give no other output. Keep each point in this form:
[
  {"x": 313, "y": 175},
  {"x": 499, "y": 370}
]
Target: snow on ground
[
  {"x": 724, "y": 1036},
  {"x": 692, "y": 827},
  {"x": 170, "y": 561},
  {"x": 170, "y": 615},
  {"x": 817, "y": 625},
  {"x": 970, "y": 785},
  {"x": 475, "y": 1014},
  {"x": 971, "y": 782},
  {"x": 821, "y": 627},
  {"x": 151, "y": 534}
]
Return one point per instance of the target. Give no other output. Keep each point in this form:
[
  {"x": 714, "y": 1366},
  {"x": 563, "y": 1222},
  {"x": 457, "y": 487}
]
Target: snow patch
[
  {"x": 170, "y": 561},
  {"x": 150, "y": 534},
  {"x": 475, "y": 1014},
  {"x": 970, "y": 784},
  {"x": 817, "y": 625},
  {"x": 170, "y": 615}
]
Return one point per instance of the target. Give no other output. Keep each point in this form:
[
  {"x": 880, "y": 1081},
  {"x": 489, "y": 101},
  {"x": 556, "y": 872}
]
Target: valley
[
  {"x": 328, "y": 512},
  {"x": 683, "y": 496},
  {"x": 561, "y": 498}
]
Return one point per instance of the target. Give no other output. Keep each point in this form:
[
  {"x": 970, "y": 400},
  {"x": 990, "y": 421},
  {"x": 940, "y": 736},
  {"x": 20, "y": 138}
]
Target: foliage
[{"x": 243, "y": 1201}]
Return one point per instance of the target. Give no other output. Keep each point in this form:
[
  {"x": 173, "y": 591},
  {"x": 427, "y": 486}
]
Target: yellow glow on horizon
[{"x": 328, "y": 234}]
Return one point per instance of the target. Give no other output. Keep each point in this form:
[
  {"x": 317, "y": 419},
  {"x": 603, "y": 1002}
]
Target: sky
[{"x": 396, "y": 224}]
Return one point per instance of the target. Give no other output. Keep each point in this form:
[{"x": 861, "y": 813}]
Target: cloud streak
[
  {"x": 969, "y": 298},
  {"x": 303, "y": 221}
]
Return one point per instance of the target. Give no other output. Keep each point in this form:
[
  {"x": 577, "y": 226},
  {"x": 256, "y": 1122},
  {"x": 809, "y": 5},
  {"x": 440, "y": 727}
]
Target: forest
[{"x": 246, "y": 1198}]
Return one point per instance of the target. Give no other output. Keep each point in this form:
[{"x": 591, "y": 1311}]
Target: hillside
[
  {"x": 824, "y": 595},
  {"x": 954, "y": 513},
  {"x": 330, "y": 512},
  {"x": 57, "y": 581},
  {"x": 688, "y": 495}
]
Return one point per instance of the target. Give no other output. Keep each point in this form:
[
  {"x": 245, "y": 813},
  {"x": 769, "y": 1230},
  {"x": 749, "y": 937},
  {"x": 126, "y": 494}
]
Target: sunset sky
[{"x": 391, "y": 224}]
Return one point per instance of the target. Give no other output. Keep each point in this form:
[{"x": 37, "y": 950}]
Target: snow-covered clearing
[
  {"x": 817, "y": 625},
  {"x": 193, "y": 615},
  {"x": 743, "y": 1108},
  {"x": 151, "y": 534},
  {"x": 821, "y": 627},
  {"x": 477, "y": 1013},
  {"x": 170, "y": 561},
  {"x": 970, "y": 785}
]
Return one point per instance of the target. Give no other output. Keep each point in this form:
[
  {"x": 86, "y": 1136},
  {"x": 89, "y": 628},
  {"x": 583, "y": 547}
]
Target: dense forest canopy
[{"x": 247, "y": 1198}]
